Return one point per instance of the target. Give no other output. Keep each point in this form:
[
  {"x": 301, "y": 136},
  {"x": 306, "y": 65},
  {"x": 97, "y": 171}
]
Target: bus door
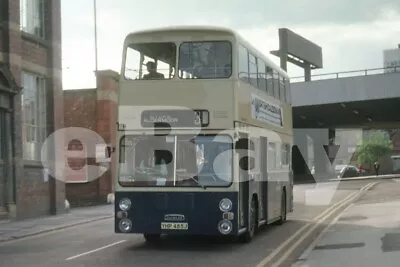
[
  {"x": 244, "y": 188},
  {"x": 264, "y": 178}
]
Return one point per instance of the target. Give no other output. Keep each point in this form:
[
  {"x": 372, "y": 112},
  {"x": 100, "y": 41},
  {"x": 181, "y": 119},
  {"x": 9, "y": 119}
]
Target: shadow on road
[
  {"x": 217, "y": 244},
  {"x": 273, "y": 234}
]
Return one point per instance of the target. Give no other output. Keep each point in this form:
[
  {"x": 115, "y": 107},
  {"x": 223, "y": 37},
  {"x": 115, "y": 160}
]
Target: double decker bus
[{"x": 204, "y": 135}]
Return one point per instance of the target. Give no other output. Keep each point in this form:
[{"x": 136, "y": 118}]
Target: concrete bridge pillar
[{"x": 301, "y": 173}]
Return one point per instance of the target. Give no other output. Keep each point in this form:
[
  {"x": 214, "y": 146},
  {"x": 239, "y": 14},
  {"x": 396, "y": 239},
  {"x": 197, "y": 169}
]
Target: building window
[
  {"x": 34, "y": 115},
  {"x": 32, "y": 18}
]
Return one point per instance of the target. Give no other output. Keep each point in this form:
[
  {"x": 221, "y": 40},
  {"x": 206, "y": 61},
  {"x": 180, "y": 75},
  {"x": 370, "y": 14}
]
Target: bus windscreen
[{"x": 199, "y": 161}]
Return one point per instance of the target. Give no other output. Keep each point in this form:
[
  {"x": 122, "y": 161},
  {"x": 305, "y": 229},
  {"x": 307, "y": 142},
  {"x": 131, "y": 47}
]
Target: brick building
[
  {"x": 30, "y": 105},
  {"x": 93, "y": 109}
]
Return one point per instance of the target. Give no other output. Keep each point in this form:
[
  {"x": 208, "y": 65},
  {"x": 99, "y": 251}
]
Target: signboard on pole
[
  {"x": 76, "y": 164},
  {"x": 331, "y": 151}
]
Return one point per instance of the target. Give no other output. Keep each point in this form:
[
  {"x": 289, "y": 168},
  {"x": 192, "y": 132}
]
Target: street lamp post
[{"x": 95, "y": 34}]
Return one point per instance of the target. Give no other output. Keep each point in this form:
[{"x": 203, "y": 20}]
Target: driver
[{"x": 153, "y": 74}]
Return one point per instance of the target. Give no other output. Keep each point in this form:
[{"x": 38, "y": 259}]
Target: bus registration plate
[{"x": 174, "y": 226}]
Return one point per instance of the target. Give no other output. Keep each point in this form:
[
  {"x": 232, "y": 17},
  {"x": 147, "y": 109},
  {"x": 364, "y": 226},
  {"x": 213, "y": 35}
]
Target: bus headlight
[
  {"x": 125, "y": 225},
  {"x": 225, "y": 205},
  {"x": 225, "y": 227},
  {"x": 125, "y": 204}
]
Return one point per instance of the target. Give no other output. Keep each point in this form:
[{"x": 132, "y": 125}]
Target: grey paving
[
  {"x": 366, "y": 234},
  {"x": 17, "y": 229}
]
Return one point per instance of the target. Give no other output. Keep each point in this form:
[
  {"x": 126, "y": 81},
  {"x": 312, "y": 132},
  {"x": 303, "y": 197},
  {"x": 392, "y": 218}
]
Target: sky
[{"x": 352, "y": 34}]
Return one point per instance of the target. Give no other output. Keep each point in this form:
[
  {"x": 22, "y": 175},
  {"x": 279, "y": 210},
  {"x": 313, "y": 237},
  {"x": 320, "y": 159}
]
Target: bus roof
[
  {"x": 239, "y": 38},
  {"x": 185, "y": 28}
]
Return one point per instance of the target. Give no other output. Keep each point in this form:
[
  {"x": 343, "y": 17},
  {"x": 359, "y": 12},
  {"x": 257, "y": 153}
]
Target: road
[
  {"x": 96, "y": 245},
  {"x": 367, "y": 233}
]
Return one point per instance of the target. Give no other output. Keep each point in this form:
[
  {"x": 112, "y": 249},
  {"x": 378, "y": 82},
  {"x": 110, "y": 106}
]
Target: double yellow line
[{"x": 311, "y": 226}]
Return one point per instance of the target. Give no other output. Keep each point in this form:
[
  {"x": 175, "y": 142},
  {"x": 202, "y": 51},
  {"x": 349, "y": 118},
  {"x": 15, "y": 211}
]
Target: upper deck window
[
  {"x": 243, "y": 64},
  {"x": 253, "y": 70},
  {"x": 205, "y": 60},
  {"x": 150, "y": 61}
]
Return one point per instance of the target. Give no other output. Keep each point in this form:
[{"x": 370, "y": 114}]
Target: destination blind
[{"x": 174, "y": 118}]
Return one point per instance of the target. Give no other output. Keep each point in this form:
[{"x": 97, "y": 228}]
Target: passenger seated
[{"x": 153, "y": 74}]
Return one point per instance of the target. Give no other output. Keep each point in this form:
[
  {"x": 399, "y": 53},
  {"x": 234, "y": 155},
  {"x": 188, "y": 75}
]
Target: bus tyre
[
  {"x": 248, "y": 236},
  {"x": 282, "y": 220},
  {"x": 152, "y": 238}
]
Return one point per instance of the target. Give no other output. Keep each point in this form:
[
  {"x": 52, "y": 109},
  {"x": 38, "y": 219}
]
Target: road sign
[
  {"x": 331, "y": 151},
  {"x": 76, "y": 168}
]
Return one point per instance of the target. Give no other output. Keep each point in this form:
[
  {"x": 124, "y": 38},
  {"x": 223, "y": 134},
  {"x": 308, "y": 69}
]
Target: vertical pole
[
  {"x": 307, "y": 72},
  {"x": 283, "y": 48},
  {"x": 95, "y": 33},
  {"x": 175, "y": 155}
]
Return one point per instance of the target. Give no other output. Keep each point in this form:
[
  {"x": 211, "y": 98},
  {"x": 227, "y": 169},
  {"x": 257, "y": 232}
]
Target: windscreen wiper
[
  {"x": 195, "y": 180},
  {"x": 198, "y": 183}
]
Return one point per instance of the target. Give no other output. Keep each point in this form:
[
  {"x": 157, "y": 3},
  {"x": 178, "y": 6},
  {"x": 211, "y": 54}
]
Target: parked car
[{"x": 347, "y": 171}]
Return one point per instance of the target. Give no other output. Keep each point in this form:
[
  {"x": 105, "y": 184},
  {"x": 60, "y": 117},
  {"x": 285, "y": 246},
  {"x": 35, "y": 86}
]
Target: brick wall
[
  {"x": 396, "y": 143},
  {"x": 107, "y": 92},
  {"x": 35, "y": 196},
  {"x": 80, "y": 111},
  {"x": 94, "y": 109},
  {"x": 80, "y": 108}
]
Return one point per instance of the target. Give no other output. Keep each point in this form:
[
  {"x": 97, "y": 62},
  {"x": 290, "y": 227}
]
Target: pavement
[
  {"x": 375, "y": 177},
  {"x": 367, "y": 233},
  {"x": 10, "y": 230}
]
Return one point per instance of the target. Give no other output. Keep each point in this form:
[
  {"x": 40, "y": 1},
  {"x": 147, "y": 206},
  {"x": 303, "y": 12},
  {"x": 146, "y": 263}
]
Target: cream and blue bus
[{"x": 204, "y": 135}]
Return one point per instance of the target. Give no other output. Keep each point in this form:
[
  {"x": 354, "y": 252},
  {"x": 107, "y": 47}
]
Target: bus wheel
[
  {"x": 248, "y": 236},
  {"x": 152, "y": 238},
  {"x": 282, "y": 220}
]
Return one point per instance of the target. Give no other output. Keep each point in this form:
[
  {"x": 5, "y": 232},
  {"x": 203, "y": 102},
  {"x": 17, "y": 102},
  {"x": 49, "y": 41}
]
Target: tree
[
  {"x": 374, "y": 146},
  {"x": 392, "y": 132}
]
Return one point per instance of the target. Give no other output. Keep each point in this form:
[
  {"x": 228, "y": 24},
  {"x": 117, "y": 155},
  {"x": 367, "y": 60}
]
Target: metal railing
[{"x": 345, "y": 74}]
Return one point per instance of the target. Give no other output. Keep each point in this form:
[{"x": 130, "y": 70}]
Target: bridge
[
  {"x": 355, "y": 99},
  {"x": 361, "y": 98}
]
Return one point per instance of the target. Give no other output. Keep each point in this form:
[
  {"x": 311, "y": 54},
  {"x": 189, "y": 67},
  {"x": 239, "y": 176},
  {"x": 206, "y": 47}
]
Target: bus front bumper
[{"x": 187, "y": 213}]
